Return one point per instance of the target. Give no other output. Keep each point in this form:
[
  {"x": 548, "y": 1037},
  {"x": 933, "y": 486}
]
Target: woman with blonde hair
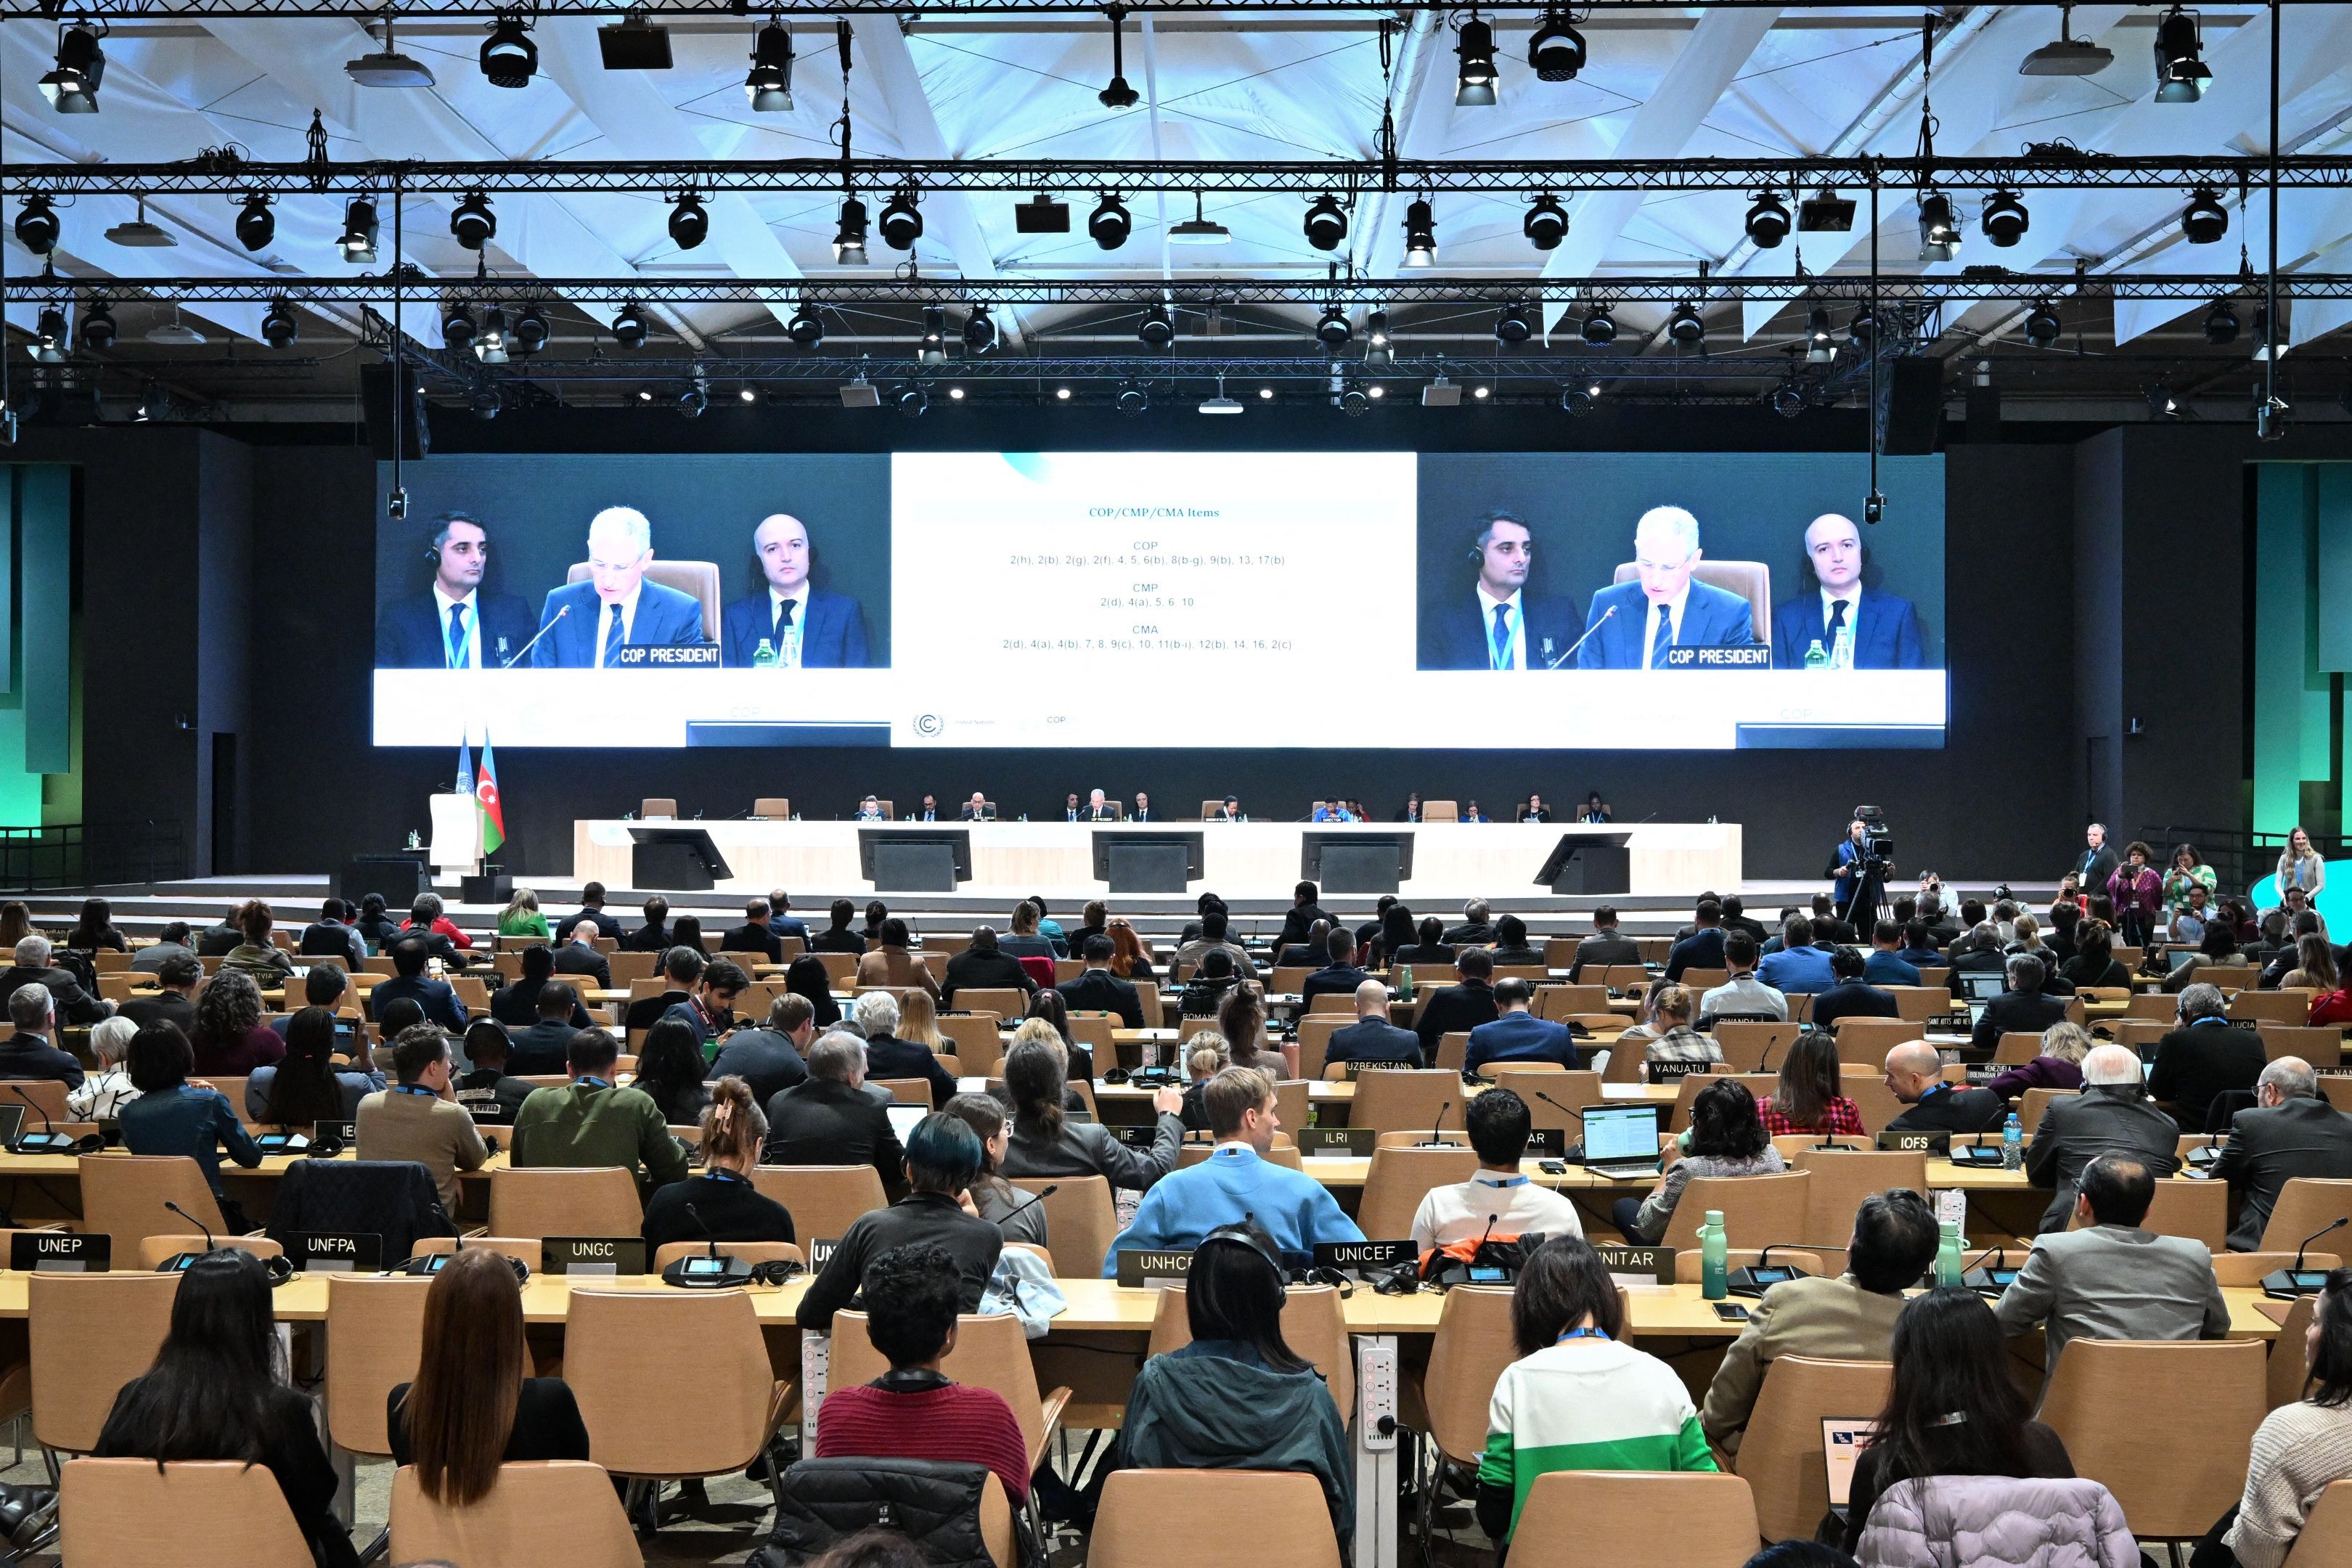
[
  {"x": 919, "y": 1020},
  {"x": 2300, "y": 865},
  {"x": 2314, "y": 964},
  {"x": 1206, "y": 1055},
  {"x": 521, "y": 915},
  {"x": 718, "y": 1203},
  {"x": 2059, "y": 1065}
]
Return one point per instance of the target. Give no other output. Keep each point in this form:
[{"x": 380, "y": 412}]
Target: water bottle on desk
[
  {"x": 765, "y": 656},
  {"x": 1947, "y": 1254},
  {"x": 1714, "y": 1258},
  {"x": 2012, "y": 1143},
  {"x": 1816, "y": 656}
]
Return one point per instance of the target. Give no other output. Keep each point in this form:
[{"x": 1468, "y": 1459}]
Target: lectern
[
  {"x": 1364, "y": 862},
  {"x": 1588, "y": 863},
  {"x": 680, "y": 859},
  {"x": 920, "y": 858}
]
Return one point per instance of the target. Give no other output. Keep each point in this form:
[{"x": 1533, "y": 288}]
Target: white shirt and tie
[
  {"x": 786, "y": 637},
  {"x": 1507, "y": 638},
  {"x": 1840, "y": 640},
  {"x": 1671, "y": 612},
  {"x": 454, "y": 655},
  {"x": 625, "y": 612}
]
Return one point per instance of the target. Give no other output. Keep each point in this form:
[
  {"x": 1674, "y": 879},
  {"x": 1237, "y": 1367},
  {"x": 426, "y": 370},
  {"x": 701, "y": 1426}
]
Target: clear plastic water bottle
[
  {"x": 2012, "y": 1143},
  {"x": 1714, "y": 1258},
  {"x": 1816, "y": 656},
  {"x": 1947, "y": 1254},
  {"x": 1404, "y": 982}
]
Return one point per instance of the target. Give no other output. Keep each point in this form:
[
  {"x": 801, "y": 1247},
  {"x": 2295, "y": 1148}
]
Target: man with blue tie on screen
[
  {"x": 457, "y": 626},
  {"x": 805, "y": 627},
  {"x": 585, "y": 624},
  {"x": 1500, "y": 625},
  {"x": 1636, "y": 625},
  {"x": 1855, "y": 630}
]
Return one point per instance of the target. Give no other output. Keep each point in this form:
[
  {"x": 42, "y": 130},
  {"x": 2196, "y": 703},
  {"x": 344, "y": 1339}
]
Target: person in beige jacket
[
  {"x": 419, "y": 1118},
  {"x": 1850, "y": 1318},
  {"x": 891, "y": 964}
]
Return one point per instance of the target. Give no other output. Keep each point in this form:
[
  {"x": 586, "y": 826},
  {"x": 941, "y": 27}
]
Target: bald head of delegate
[
  {"x": 1834, "y": 547},
  {"x": 782, "y": 543}
]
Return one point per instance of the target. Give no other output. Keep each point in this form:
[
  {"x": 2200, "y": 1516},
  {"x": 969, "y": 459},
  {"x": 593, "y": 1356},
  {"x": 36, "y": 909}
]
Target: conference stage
[{"x": 1248, "y": 859}]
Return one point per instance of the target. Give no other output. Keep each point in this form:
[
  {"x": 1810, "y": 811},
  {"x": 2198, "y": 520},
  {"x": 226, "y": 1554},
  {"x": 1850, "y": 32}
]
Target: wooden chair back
[
  {"x": 2308, "y": 1202},
  {"x": 2199, "y": 1210},
  {"x": 1865, "y": 1039},
  {"x": 1315, "y": 1032},
  {"x": 2175, "y": 1476},
  {"x": 637, "y": 1424},
  {"x": 549, "y": 1513},
  {"x": 1610, "y": 1518},
  {"x": 203, "y": 1514},
  {"x": 2326, "y": 1538},
  {"x": 1472, "y": 1347},
  {"x": 1080, "y": 1219},
  {"x": 87, "y": 1335},
  {"x": 547, "y": 1201},
  {"x": 1399, "y": 1179},
  {"x": 1745, "y": 1043},
  {"x": 1400, "y": 1099},
  {"x": 775, "y": 807},
  {"x": 821, "y": 1199},
  {"x": 2286, "y": 1369},
  {"x": 1841, "y": 1179},
  {"x": 1781, "y": 1452},
  {"x": 1918, "y": 1004},
  {"x": 909, "y": 1091},
  {"x": 123, "y": 1195},
  {"x": 1002, "y": 1000},
  {"x": 1312, "y": 1327},
  {"x": 1454, "y": 1052},
  {"x": 990, "y": 1351},
  {"x": 2322, "y": 1046},
  {"x": 1569, "y": 1093},
  {"x": 1756, "y": 1210},
  {"x": 2034, "y": 1102},
  {"x": 1559, "y": 1002},
  {"x": 2016, "y": 1048},
  {"x": 974, "y": 1038},
  {"x": 375, "y": 1334},
  {"x": 1289, "y": 1526}
]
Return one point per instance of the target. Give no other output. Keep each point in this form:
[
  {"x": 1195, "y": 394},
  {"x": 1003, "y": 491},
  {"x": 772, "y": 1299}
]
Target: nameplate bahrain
[
  {"x": 1343, "y": 1142},
  {"x": 667, "y": 656},
  {"x": 59, "y": 1252},
  {"x": 1637, "y": 1265},
  {"x": 1754, "y": 656},
  {"x": 335, "y": 1251},
  {"x": 592, "y": 1255},
  {"x": 1139, "y": 1267},
  {"x": 1674, "y": 1072},
  {"x": 1361, "y": 1258},
  {"x": 1911, "y": 1142},
  {"x": 820, "y": 1252},
  {"x": 1547, "y": 1143}
]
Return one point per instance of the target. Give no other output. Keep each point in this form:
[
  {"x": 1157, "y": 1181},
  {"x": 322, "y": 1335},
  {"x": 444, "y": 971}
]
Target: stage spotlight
[
  {"x": 490, "y": 343},
  {"x": 471, "y": 223},
  {"x": 1374, "y": 391},
  {"x": 1511, "y": 325},
  {"x": 1685, "y": 327},
  {"x": 1132, "y": 398},
  {"x": 1326, "y": 222},
  {"x": 955, "y": 395},
  {"x": 1940, "y": 227},
  {"x": 747, "y": 393},
  {"x": 256, "y": 225},
  {"x": 902, "y": 219},
  {"x": 1420, "y": 234},
  {"x": 37, "y": 225},
  {"x": 279, "y": 328},
  {"x": 1821, "y": 344},
  {"x": 2204, "y": 220},
  {"x": 1200, "y": 228},
  {"x": 2005, "y": 219},
  {"x": 2261, "y": 334},
  {"x": 531, "y": 331},
  {"x": 2162, "y": 403},
  {"x": 1481, "y": 392},
  {"x": 1353, "y": 401},
  {"x": 979, "y": 331},
  {"x": 486, "y": 402},
  {"x": 1788, "y": 400},
  {"x": 1474, "y": 81},
  {"x": 2222, "y": 323},
  {"x": 1768, "y": 220},
  {"x": 645, "y": 395},
  {"x": 1861, "y": 328},
  {"x": 49, "y": 336},
  {"x": 388, "y": 67},
  {"x": 1546, "y": 224},
  {"x": 358, "y": 239},
  {"x": 2068, "y": 55},
  {"x": 933, "y": 349},
  {"x": 2180, "y": 70},
  {"x": 692, "y": 403},
  {"x": 910, "y": 400},
  {"x": 629, "y": 328},
  {"x": 457, "y": 328},
  {"x": 2271, "y": 417},
  {"x": 1333, "y": 331},
  {"x": 2042, "y": 325},
  {"x": 1577, "y": 400},
  {"x": 1118, "y": 94},
  {"x": 1825, "y": 211},
  {"x": 1156, "y": 330},
  {"x": 1378, "y": 351},
  {"x": 1110, "y": 222},
  {"x": 689, "y": 221},
  {"x": 1265, "y": 394},
  {"x": 849, "y": 237},
  {"x": 769, "y": 83},
  {"x": 1061, "y": 394},
  {"x": 508, "y": 56},
  {"x": 1600, "y": 327},
  {"x": 154, "y": 408},
  {"x": 98, "y": 331},
  {"x": 72, "y": 86},
  {"x": 806, "y": 328},
  {"x": 1556, "y": 50}
]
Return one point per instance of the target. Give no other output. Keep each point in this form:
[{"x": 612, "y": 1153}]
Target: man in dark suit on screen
[
  {"x": 455, "y": 625},
  {"x": 585, "y": 624},
  {"x": 1499, "y": 625},
  {"x": 1635, "y": 624},
  {"x": 805, "y": 627},
  {"x": 1855, "y": 630}
]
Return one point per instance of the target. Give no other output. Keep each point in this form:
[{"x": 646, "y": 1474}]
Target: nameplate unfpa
[{"x": 335, "y": 1251}]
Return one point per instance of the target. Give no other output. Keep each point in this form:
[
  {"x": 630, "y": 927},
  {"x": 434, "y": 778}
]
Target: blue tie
[
  {"x": 613, "y": 639},
  {"x": 1663, "y": 640},
  {"x": 1502, "y": 636},
  {"x": 456, "y": 636}
]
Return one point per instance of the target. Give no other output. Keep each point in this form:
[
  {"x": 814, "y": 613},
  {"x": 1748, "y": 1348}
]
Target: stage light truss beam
[
  {"x": 1305, "y": 177},
  {"x": 371, "y": 10}
]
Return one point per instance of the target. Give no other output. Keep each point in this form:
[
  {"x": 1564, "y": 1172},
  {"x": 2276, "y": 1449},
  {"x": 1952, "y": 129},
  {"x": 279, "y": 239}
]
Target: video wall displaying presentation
[{"x": 1520, "y": 600}]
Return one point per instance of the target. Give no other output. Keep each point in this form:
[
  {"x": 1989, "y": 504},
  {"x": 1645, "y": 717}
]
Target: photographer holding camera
[{"x": 1859, "y": 868}]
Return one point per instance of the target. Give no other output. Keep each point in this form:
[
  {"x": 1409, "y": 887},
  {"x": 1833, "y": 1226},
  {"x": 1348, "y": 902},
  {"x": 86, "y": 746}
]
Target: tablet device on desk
[
  {"x": 903, "y": 1118},
  {"x": 1982, "y": 984}
]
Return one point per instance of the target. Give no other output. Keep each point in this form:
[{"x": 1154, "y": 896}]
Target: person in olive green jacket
[{"x": 588, "y": 1121}]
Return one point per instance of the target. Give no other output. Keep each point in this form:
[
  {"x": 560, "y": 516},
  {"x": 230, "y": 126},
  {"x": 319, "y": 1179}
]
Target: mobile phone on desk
[
  {"x": 1729, "y": 1311},
  {"x": 1552, "y": 1167}
]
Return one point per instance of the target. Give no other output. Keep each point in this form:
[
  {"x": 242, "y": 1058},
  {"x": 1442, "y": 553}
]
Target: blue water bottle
[
  {"x": 2012, "y": 1143},
  {"x": 1714, "y": 1258}
]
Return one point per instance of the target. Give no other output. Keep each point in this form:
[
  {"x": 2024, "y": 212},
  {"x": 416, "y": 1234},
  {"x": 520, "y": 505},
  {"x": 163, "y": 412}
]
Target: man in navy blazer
[
  {"x": 1517, "y": 1035},
  {"x": 1499, "y": 625},
  {"x": 455, "y": 625},
  {"x": 585, "y": 624},
  {"x": 1662, "y": 608},
  {"x": 1856, "y": 630},
  {"x": 806, "y": 627}
]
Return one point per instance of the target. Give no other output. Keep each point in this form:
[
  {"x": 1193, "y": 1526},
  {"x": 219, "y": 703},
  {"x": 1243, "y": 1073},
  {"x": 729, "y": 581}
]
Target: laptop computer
[
  {"x": 1843, "y": 1441},
  {"x": 1982, "y": 985},
  {"x": 1976, "y": 1014},
  {"x": 903, "y": 1118},
  {"x": 2179, "y": 955},
  {"x": 1620, "y": 1140}
]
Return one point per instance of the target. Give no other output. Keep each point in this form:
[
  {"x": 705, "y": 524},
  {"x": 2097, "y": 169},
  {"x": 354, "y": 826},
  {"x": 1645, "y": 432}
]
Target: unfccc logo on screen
[{"x": 927, "y": 724}]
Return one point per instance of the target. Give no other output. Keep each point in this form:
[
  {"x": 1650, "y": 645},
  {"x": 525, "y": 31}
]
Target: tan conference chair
[
  {"x": 696, "y": 579},
  {"x": 555, "y": 1513},
  {"x": 194, "y": 1514}
]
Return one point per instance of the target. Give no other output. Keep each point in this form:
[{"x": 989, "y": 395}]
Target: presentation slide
[{"x": 1121, "y": 599}]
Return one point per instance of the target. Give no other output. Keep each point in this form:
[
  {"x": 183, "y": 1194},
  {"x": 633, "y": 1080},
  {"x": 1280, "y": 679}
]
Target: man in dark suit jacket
[
  {"x": 177, "y": 1003},
  {"x": 1603, "y": 947},
  {"x": 2024, "y": 1008},
  {"x": 74, "y": 1004},
  {"x": 772, "y": 1058},
  {"x": 2112, "y": 1115},
  {"x": 546, "y": 1046},
  {"x": 1338, "y": 978},
  {"x": 454, "y": 626},
  {"x": 1851, "y": 996},
  {"x": 584, "y": 625},
  {"x": 1915, "y": 1074},
  {"x": 1300, "y": 918},
  {"x": 1463, "y": 1007},
  {"x": 1703, "y": 949},
  {"x": 579, "y": 957},
  {"x": 983, "y": 967},
  {"x": 1516, "y": 1035},
  {"x": 1477, "y": 929},
  {"x": 1886, "y": 630},
  {"x": 1096, "y": 990},
  {"x": 830, "y": 1121},
  {"x": 1494, "y": 623},
  {"x": 830, "y": 628},
  {"x": 2206, "y": 1055},
  {"x": 440, "y": 1003},
  {"x": 754, "y": 935},
  {"x": 2290, "y": 1131},
  {"x": 28, "y": 1053},
  {"x": 2096, "y": 863},
  {"x": 1634, "y": 623},
  {"x": 1371, "y": 1037},
  {"x": 592, "y": 909}
]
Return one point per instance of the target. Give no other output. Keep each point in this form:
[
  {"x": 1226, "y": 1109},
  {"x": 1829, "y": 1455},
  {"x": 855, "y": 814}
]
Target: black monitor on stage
[
  {"x": 1147, "y": 859},
  {"x": 1360, "y": 862},
  {"x": 923, "y": 858},
  {"x": 680, "y": 859},
  {"x": 1588, "y": 863}
]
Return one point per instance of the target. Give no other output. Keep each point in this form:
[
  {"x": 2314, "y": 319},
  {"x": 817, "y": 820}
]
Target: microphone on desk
[
  {"x": 48, "y": 1141},
  {"x": 2289, "y": 1283},
  {"x": 179, "y": 1261},
  {"x": 1975, "y": 1279},
  {"x": 1039, "y": 1196},
  {"x": 1483, "y": 1235},
  {"x": 1750, "y": 1280},
  {"x": 562, "y": 611},
  {"x": 1579, "y": 642},
  {"x": 1434, "y": 1141}
]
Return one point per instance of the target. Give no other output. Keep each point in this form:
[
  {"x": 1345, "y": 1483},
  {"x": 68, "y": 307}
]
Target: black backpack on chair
[{"x": 935, "y": 1504}]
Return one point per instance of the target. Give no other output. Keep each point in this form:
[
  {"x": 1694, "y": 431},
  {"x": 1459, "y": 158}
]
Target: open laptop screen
[
  {"x": 1620, "y": 1132},
  {"x": 1842, "y": 1441}
]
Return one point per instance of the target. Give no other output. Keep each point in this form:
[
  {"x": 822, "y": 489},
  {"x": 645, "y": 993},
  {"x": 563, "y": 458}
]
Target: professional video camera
[{"x": 1878, "y": 841}]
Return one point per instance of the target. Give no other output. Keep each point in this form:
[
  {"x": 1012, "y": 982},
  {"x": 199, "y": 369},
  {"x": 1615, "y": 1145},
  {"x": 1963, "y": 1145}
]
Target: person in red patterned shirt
[
  {"x": 1808, "y": 1100},
  {"x": 913, "y": 1411}
]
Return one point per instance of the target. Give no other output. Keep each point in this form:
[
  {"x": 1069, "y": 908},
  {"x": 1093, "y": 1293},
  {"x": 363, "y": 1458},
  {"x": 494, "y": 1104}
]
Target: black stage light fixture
[
  {"x": 98, "y": 329},
  {"x": 531, "y": 331},
  {"x": 902, "y": 219},
  {"x": 2005, "y": 219},
  {"x": 2180, "y": 70},
  {"x": 1511, "y": 324},
  {"x": 50, "y": 335},
  {"x": 1579, "y": 400},
  {"x": 2162, "y": 402},
  {"x": 1326, "y": 222},
  {"x": 1825, "y": 211},
  {"x": 1041, "y": 214},
  {"x": 910, "y": 400},
  {"x": 508, "y": 56},
  {"x": 1861, "y": 327},
  {"x": 1420, "y": 233},
  {"x": 1118, "y": 94},
  {"x": 490, "y": 343},
  {"x": 471, "y": 223},
  {"x": 1353, "y": 401},
  {"x": 933, "y": 348},
  {"x": 2222, "y": 323},
  {"x": 256, "y": 225},
  {"x": 1788, "y": 400},
  {"x": 1110, "y": 222},
  {"x": 279, "y": 328},
  {"x": 2042, "y": 325},
  {"x": 1474, "y": 81},
  {"x": 361, "y": 229},
  {"x": 72, "y": 86},
  {"x": 690, "y": 220},
  {"x": 1132, "y": 398},
  {"x": 769, "y": 83},
  {"x": 1556, "y": 50},
  {"x": 485, "y": 401},
  {"x": 1685, "y": 327},
  {"x": 806, "y": 328},
  {"x": 457, "y": 327},
  {"x": 693, "y": 401},
  {"x": 1821, "y": 344},
  {"x": 1333, "y": 331},
  {"x": 1940, "y": 227},
  {"x": 2204, "y": 220},
  {"x": 37, "y": 225},
  {"x": 849, "y": 235},
  {"x": 636, "y": 45},
  {"x": 630, "y": 327},
  {"x": 1599, "y": 328},
  {"x": 1768, "y": 220},
  {"x": 979, "y": 329},
  {"x": 1156, "y": 330},
  {"x": 1546, "y": 223},
  {"x": 1378, "y": 351}
]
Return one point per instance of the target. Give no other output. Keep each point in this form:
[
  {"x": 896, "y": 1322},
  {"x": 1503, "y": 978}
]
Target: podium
[
  {"x": 457, "y": 847},
  {"x": 1372, "y": 862},
  {"x": 682, "y": 859},
  {"x": 923, "y": 859},
  {"x": 1588, "y": 863},
  {"x": 1147, "y": 859}
]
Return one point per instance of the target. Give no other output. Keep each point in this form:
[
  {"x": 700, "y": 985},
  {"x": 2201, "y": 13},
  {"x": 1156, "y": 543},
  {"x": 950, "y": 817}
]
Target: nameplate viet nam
[
  {"x": 59, "y": 1252},
  {"x": 1138, "y": 1266},
  {"x": 335, "y": 1251},
  {"x": 665, "y": 655},
  {"x": 592, "y": 1255},
  {"x": 1747, "y": 656}
]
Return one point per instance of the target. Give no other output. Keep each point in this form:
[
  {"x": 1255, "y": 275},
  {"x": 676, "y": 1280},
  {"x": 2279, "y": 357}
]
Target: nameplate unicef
[
  {"x": 1748, "y": 656},
  {"x": 1360, "y": 1258},
  {"x": 665, "y": 655}
]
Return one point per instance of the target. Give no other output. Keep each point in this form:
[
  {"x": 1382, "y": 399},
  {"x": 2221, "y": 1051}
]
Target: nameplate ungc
[{"x": 593, "y": 1255}]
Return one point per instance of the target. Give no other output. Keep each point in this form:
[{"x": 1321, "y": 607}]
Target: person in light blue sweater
[{"x": 1236, "y": 1185}]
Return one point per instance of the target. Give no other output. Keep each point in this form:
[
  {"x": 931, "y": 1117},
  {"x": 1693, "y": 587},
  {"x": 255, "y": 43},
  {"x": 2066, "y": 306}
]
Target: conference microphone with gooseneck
[
  {"x": 561, "y": 611},
  {"x": 1434, "y": 1141},
  {"x": 2288, "y": 1283},
  {"x": 1579, "y": 642},
  {"x": 1039, "y": 1196},
  {"x": 714, "y": 1271},
  {"x": 1989, "y": 1280},
  {"x": 179, "y": 1261},
  {"x": 1761, "y": 1276},
  {"x": 48, "y": 1140},
  {"x": 1575, "y": 1116}
]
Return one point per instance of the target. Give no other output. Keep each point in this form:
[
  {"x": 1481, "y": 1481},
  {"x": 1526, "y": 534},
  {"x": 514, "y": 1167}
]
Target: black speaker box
[
  {"x": 375, "y": 400},
  {"x": 1914, "y": 408}
]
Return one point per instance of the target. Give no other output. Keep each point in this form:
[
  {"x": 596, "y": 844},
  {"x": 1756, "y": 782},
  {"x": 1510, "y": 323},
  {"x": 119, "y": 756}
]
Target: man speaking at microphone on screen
[
  {"x": 585, "y": 624},
  {"x": 1662, "y": 608}
]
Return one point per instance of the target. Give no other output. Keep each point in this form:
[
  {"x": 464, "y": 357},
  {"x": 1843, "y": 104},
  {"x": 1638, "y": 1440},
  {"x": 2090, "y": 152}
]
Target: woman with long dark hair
[
  {"x": 95, "y": 928},
  {"x": 375, "y": 924},
  {"x": 304, "y": 1085},
  {"x": 230, "y": 1040},
  {"x": 687, "y": 932},
  {"x": 1806, "y": 1100},
  {"x": 1953, "y": 1410},
  {"x": 16, "y": 924},
  {"x": 172, "y": 1116},
  {"x": 807, "y": 977},
  {"x": 1015, "y": 1213},
  {"x": 217, "y": 1390},
  {"x": 2299, "y": 1449},
  {"x": 1727, "y": 1139},
  {"x": 1397, "y": 934},
  {"x": 1241, "y": 1018},
  {"x": 670, "y": 1068},
  {"x": 471, "y": 1409},
  {"x": 1046, "y": 1143}
]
